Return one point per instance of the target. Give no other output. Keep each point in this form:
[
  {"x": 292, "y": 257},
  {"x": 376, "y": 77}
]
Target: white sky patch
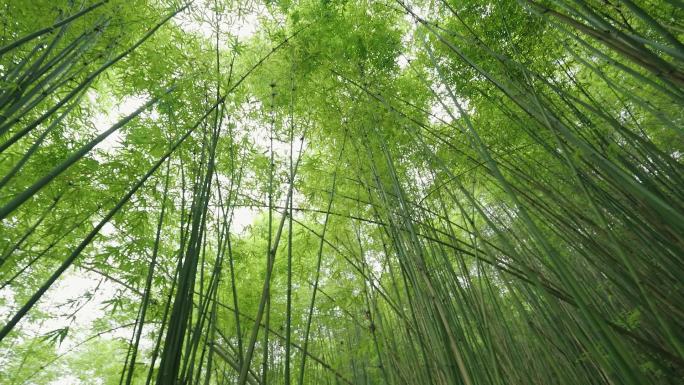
[
  {"x": 242, "y": 217},
  {"x": 422, "y": 178},
  {"x": 254, "y": 125},
  {"x": 440, "y": 114},
  {"x": 103, "y": 120},
  {"x": 402, "y": 61},
  {"x": 259, "y": 131},
  {"x": 443, "y": 108},
  {"x": 66, "y": 298},
  {"x": 446, "y": 110},
  {"x": 108, "y": 229},
  {"x": 487, "y": 10},
  {"x": 66, "y": 380},
  {"x": 374, "y": 261},
  {"x": 67, "y": 305},
  {"x": 407, "y": 39},
  {"x": 201, "y": 20},
  {"x": 7, "y": 303}
]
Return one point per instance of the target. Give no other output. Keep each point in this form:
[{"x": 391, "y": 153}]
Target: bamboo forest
[{"x": 341, "y": 192}]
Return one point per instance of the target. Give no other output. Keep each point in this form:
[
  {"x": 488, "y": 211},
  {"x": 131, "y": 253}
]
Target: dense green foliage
[{"x": 341, "y": 192}]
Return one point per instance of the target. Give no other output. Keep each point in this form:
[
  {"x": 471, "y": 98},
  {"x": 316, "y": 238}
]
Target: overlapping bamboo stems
[
  {"x": 88, "y": 239},
  {"x": 183, "y": 232},
  {"x": 614, "y": 241},
  {"x": 206, "y": 314},
  {"x": 265, "y": 291},
  {"x": 224, "y": 247},
  {"x": 627, "y": 45},
  {"x": 324, "y": 364},
  {"x": 491, "y": 284},
  {"x": 538, "y": 186},
  {"x": 277, "y": 236},
  {"x": 38, "y": 142},
  {"x": 76, "y": 156},
  {"x": 79, "y": 87},
  {"x": 46, "y": 250},
  {"x": 288, "y": 299},
  {"x": 47, "y": 74},
  {"x": 172, "y": 364},
  {"x": 269, "y": 244},
  {"x": 129, "y": 365},
  {"x": 319, "y": 260},
  {"x": 25, "y": 39}
]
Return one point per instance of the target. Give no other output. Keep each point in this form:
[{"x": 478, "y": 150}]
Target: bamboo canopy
[{"x": 350, "y": 192}]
